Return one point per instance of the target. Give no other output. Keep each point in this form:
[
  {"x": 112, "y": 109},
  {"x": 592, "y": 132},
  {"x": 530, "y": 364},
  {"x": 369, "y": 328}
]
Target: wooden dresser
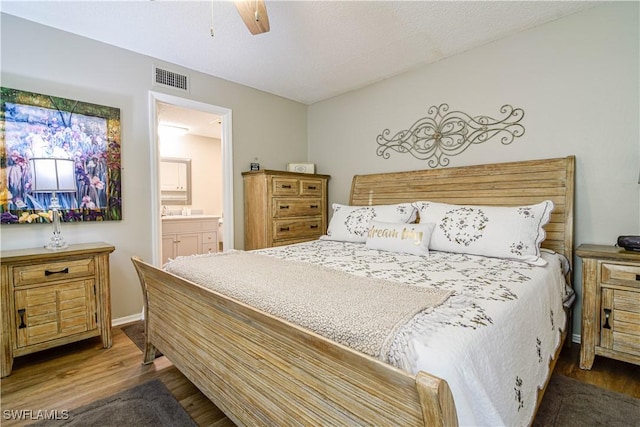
[
  {"x": 51, "y": 298},
  {"x": 281, "y": 208},
  {"x": 610, "y": 304}
]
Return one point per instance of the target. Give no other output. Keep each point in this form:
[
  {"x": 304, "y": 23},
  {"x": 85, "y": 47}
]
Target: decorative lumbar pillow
[
  {"x": 502, "y": 232},
  {"x": 351, "y": 223},
  {"x": 400, "y": 237}
]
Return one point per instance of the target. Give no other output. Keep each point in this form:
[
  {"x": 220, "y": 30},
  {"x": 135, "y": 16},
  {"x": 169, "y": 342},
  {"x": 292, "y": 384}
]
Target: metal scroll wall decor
[{"x": 443, "y": 134}]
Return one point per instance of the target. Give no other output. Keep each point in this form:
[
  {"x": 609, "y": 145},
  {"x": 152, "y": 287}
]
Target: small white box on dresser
[{"x": 301, "y": 167}]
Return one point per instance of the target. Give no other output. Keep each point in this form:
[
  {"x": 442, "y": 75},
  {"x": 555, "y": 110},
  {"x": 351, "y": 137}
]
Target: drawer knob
[
  {"x": 286, "y": 186},
  {"x": 311, "y": 187},
  {"x": 313, "y": 206},
  {"x": 284, "y": 206},
  {"x": 607, "y": 314},
  {"x": 21, "y": 314},
  {"x": 313, "y": 226},
  {"x": 284, "y": 228},
  {"x": 63, "y": 271}
]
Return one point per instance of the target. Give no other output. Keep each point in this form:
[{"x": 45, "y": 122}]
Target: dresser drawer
[
  {"x": 621, "y": 274},
  {"x": 52, "y": 271},
  {"x": 209, "y": 248},
  {"x": 296, "y": 207},
  {"x": 285, "y": 186},
  {"x": 291, "y": 229},
  {"x": 310, "y": 187},
  {"x": 209, "y": 243},
  {"x": 209, "y": 238}
]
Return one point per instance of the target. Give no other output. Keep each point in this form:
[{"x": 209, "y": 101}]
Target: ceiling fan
[{"x": 254, "y": 15}]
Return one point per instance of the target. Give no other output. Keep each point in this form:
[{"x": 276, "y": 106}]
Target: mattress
[{"x": 492, "y": 340}]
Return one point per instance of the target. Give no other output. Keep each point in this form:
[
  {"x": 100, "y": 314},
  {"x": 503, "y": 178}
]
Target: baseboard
[{"x": 126, "y": 319}]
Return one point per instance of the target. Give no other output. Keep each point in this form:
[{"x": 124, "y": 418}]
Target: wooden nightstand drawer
[
  {"x": 297, "y": 228},
  {"x": 285, "y": 186},
  {"x": 283, "y": 208},
  {"x": 52, "y": 271},
  {"x": 626, "y": 301},
  {"x": 621, "y": 274},
  {"x": 620, "y": 321},
  {"x": 47, "y": 313}
]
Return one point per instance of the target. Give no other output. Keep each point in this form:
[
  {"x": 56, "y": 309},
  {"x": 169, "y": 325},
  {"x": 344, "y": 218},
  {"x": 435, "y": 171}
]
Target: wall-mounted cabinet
[{"x": 175, "y": 181}]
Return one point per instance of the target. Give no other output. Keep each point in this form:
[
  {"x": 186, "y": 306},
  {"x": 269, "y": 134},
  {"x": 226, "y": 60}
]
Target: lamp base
[
  {"x": 56, "y": 246},
  {"x": 57, "y": 242}
]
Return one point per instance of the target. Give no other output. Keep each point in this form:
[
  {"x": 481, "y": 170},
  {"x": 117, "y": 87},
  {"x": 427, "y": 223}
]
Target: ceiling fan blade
[{"x": 254, "y": 15}]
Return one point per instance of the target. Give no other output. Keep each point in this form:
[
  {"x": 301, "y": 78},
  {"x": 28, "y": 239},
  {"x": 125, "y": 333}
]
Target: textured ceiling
[{"x": 315, "y": 49}]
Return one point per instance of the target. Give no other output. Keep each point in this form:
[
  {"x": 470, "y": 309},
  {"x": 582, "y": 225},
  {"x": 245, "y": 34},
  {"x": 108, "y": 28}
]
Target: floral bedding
[{"x": 492, "y": 340}]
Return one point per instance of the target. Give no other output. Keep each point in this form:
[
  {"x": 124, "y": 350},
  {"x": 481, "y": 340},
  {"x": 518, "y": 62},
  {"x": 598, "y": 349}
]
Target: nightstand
[
  {"x": 610, "y": 304},
  {"x": 51, "y": 298}
]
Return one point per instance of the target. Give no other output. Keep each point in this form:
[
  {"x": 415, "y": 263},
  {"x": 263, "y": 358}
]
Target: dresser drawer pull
[
  {"x": 21, "y": 313},
  {"x": 63, "y": 271},
  {"x": 286, "y": 185},
  {"x": 284, "y": 206},
  {"x": 313, "y": 207},
  {"x": 312, "y": 187},
  {"x": 284, "y": 228},
  {"x": 607, "y": 314},
  {"x": 313, "y": 226}
]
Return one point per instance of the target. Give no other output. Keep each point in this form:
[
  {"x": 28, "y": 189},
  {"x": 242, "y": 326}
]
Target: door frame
[{"x": 227, "y": 167}]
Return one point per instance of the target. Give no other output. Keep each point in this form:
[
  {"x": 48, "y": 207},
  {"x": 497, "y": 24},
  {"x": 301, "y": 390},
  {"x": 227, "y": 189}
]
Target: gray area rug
[
  {"x": 146, "y": 405},
  {"x": 568, "y": 403},
  {"x": 135, "y": 332}
]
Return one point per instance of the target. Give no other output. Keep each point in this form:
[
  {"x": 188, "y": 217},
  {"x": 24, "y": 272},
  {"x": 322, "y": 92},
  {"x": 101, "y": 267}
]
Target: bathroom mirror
[{"x": 175, "y": 181}]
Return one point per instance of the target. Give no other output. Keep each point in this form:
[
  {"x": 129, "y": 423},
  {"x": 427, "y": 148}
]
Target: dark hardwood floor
[{"x": 77, "y": 374}]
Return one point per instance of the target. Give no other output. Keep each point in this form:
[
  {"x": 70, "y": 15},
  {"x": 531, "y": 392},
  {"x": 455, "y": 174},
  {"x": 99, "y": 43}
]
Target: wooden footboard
[{"x": 261, "y": 370}]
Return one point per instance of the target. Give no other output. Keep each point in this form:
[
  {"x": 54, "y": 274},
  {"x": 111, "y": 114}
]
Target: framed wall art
[{"x": 52, "y": 146}]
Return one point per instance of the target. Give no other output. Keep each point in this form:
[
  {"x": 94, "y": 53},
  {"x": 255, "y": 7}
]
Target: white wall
[
  {"x": 40, "y": 59},
  {"x": 577, "y": 80},
  {"x": 206, "y": 168}
]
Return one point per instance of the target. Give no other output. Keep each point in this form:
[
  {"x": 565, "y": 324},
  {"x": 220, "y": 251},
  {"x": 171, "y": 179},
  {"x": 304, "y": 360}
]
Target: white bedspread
[{"x": 492, "y": 340}]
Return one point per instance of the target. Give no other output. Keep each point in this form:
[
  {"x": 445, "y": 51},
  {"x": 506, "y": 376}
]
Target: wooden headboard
[{"x": 499, "y": 184}]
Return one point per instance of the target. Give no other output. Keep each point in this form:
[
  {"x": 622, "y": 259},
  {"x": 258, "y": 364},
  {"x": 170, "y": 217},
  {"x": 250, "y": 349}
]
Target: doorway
[{"x": 159, "y": 102}]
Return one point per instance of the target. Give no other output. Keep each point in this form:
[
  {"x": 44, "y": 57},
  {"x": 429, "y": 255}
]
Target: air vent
[{"x": 171, "y": 79}]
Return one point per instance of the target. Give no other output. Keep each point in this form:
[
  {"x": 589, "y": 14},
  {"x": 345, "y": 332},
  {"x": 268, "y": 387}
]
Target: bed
[{"x": 261, "y": 369}]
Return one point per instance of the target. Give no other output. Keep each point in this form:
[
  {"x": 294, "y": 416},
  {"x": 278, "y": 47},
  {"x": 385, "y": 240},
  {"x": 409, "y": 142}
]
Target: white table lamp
[{"x": 53, "y": 176}]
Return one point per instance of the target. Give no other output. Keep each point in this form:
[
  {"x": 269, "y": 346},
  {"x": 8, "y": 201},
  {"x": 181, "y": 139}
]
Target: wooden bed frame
[{"x": 261, "y": 370}]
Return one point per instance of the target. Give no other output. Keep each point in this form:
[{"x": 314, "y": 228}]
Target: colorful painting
[{"x": 34, "y": 126}]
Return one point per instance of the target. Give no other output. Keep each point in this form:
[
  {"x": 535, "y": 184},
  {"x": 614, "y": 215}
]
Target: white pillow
[
  {"x": 351, "y": 223},
  {"x": 400, "y": 237},
  {"x": 502, "y": 232}
]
